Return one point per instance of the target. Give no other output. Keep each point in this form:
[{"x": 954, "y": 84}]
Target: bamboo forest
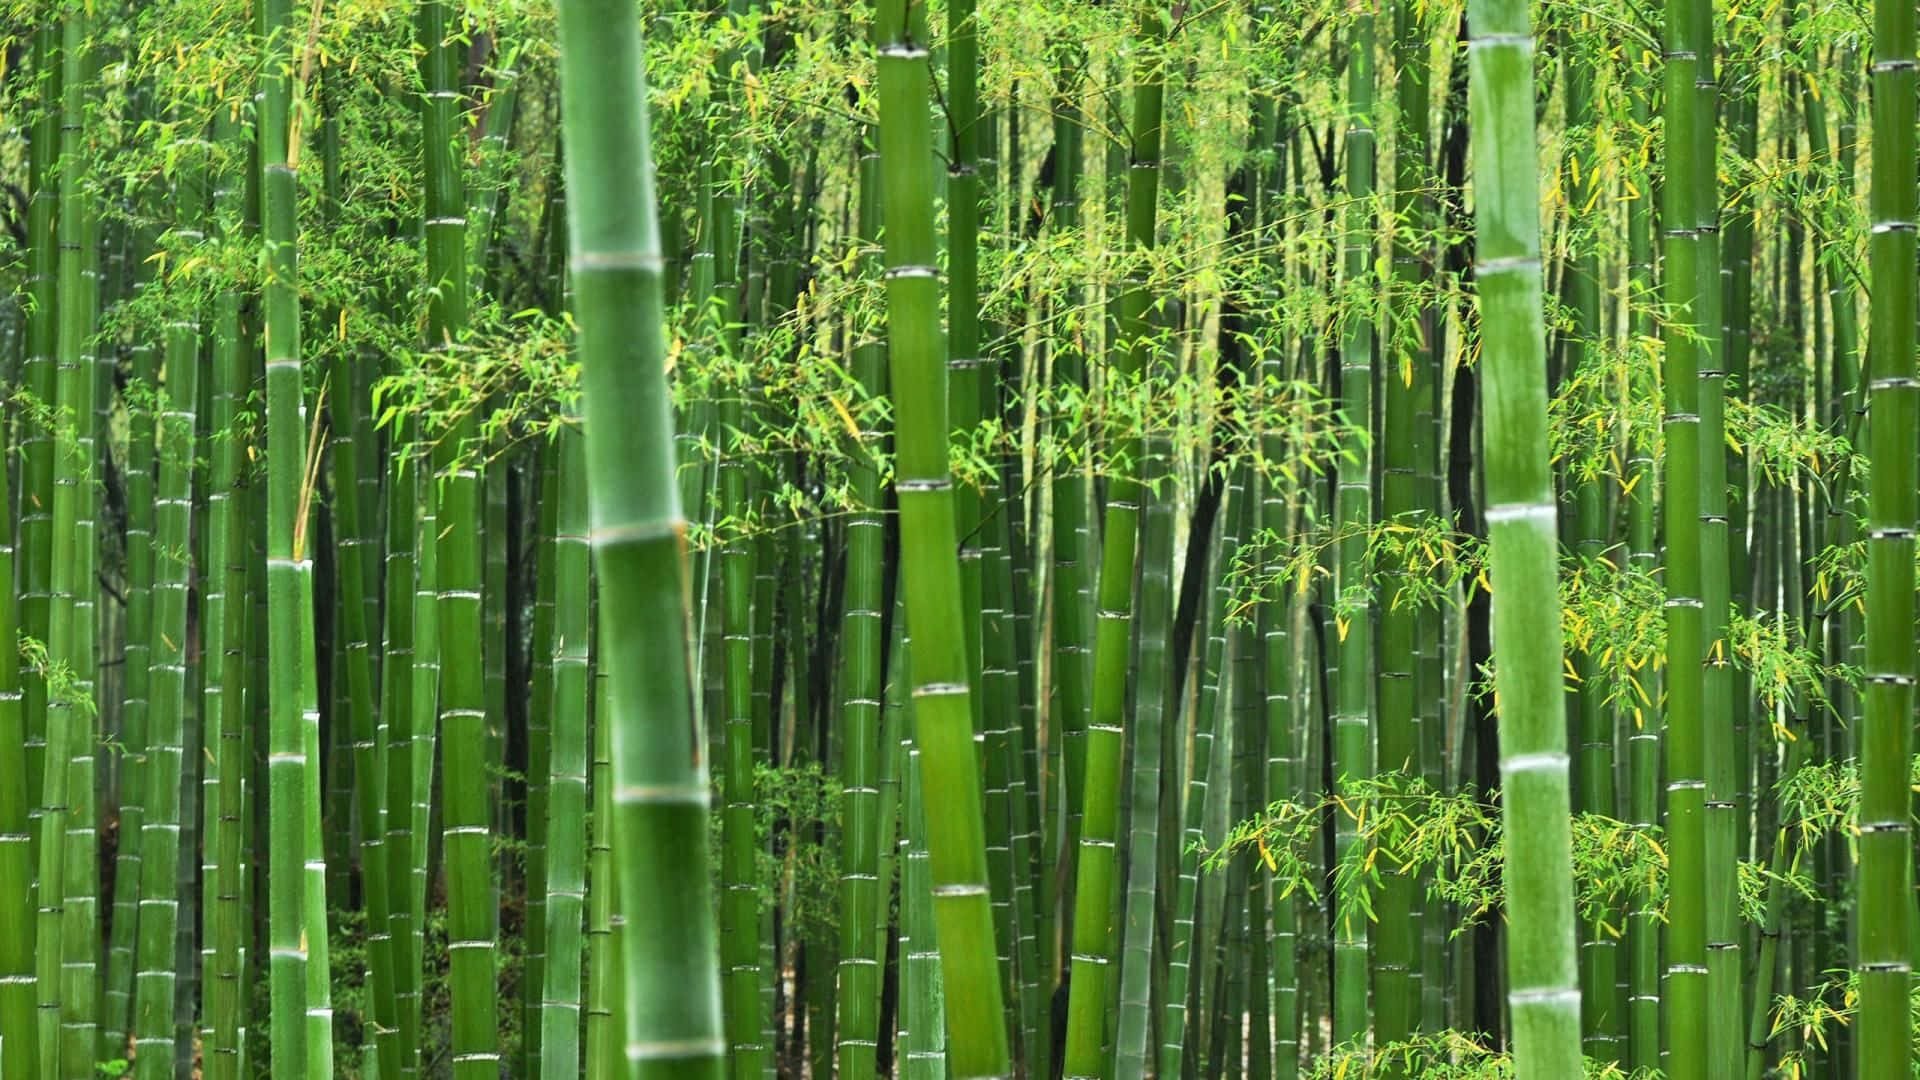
[{"x": 959, "y": 539}]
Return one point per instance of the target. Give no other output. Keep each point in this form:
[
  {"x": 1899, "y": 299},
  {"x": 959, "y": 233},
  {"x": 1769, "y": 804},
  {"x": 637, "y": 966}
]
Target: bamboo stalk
[
  {"x": 1885, "y": 875},
  {"x": 1542, "y": 971},
  {"x": 671, "y": 984}
]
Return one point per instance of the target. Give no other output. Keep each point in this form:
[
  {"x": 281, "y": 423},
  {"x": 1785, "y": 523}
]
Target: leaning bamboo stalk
[
  {"x": 671, "y": 982},
  {"x": 1089, "y": 981},
  {"x": 930, "y": 572}
]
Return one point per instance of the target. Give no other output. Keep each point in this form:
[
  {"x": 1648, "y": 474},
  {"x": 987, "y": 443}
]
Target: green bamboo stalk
[
  {"x": 923, "y": 1032},
  {"x": 224, "y": 618},
  {"x": 400, "y": 714},
  {"x": 466, "y": 815},
  {"x": 671, "y": 983},
  {"x": 893, "y": 767},
  {"x": 1071, "y": 577},
  {"x": 943, "y": 714},
  {"x": 302, "y": 1018},
  {"x": 1542, "y": 969},
  {"x": 351, "y": 540},
  {"x": 1202, "y": 768},
  {"x": 1250, "y": 694},
  {"x": 1352, "y": 750},
  {"x": 539, "y": 787},
  {"x": 740, "y": 900},
  {"x": 567, "y": 797},
  {"x": 1155, "y": 613},
  {"x": 160, "y": 834},
  {"x": 1685, "y": 945},
  {"x": 488, "y": 195},
  {"x": 17, "y": 999},
  {"x": 603, "y": 965},
  {"x": 1000, "y": 708},
  {"x": 740, "y": 937},
  {"x": 65, "y": 946},
  {"x": 141, "y": 400},
  {"x": 424, "y": 696},
  {"x": 1580, "y": 289},
  {"x": 1286, "y": 757},
  {"x": 1100, "y": 817},
  {"x": 1068, "y": 578},
  {"x": 1643, "y": 740},
  {"x": 1725, "y": 1049},
  {"x": 963, "y": 130},
  {"x": 862, "y": 891},
  {"x": 142, "y": 404},
  {"x": 1885, "y": 876},
  {"x": 1796, "y": 734},
  {"x": 37, "y": 378},
  {"x": 1236, "y": 1042},
  {"x": 1396, "y": 969}
]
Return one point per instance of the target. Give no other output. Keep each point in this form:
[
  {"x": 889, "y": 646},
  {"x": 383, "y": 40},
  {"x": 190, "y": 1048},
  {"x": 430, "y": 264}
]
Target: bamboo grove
[{"x": 1284, "y": 539}]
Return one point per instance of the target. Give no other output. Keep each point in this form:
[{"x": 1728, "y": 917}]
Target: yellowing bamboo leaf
[{"x": 846, "y": 417}]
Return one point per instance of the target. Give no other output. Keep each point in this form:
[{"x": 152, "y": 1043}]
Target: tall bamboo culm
[
  {"x": 1685, "y": 945},
  {"x": 1353, "y": 750},
  {"x": 1098, "y": 860},
  {"x": 1541, "y": 958},
  {"x": 930, "y": 572},
  {"x": 297, "y": 938},
  {"x": 176, "y": 448},
  {"x": 1885, "y": 881},
  {"x": 671, "y": 988}
]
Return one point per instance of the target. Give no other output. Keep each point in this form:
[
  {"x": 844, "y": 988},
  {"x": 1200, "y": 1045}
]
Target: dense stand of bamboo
[{"x": 980, "y": 540}]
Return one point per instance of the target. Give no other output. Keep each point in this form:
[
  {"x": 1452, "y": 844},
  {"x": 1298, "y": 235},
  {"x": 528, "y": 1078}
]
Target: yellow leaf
[
  {"x": 1341, "y": 625},
  {"x": 846, "y": 417},
  {"x": 1267, "y": 856}
]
